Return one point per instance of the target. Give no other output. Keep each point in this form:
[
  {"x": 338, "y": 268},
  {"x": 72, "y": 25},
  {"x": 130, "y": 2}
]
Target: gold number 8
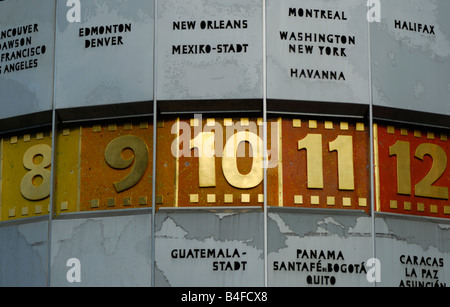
[
  {"x": 28, "y": 188},
  {"x": 113, "y": 156}
]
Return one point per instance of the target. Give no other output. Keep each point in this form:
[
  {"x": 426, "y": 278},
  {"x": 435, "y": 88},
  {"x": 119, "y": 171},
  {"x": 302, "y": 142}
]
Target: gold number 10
[{"x": 204, "y": 141}]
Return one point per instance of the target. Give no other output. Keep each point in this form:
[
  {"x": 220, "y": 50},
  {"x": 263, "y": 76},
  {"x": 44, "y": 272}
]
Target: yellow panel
[
  {"x": 25, "y": 173},
  {"x": 67, "y": 165}
]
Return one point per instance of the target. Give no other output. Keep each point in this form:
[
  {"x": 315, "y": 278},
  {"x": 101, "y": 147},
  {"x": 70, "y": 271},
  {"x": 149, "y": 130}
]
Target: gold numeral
[
  {"x": 229, "y": 161},
  {"x": 204, "y": 141},
  {"x": 424, "y": 187},
  {"x": 312, "y": 143},
  {"x": 401, "y": 150},
  {"x": 35, "y": 185},
  {"x": 343, "y": 144},
  {"x": 114, "y": 158}
]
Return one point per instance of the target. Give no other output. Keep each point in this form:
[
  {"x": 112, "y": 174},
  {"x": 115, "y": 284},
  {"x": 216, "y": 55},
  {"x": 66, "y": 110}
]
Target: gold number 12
[{"x": 424, "y": 188}]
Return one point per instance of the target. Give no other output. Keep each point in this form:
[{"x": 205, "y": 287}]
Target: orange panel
[
  {"x": 100, "y": 168},
  {"x": 324, "y": 165},
  {"x": 412, "y": 176},
  {"x": 220, "y": 180}
]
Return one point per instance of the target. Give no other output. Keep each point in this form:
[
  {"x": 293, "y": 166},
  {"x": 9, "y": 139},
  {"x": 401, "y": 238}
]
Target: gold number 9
[{"x": 114, "y": 158}]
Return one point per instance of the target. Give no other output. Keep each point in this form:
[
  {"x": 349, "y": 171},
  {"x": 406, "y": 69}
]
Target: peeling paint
[
  {"x": 424, "y": 234},
  {"x": 212, "y": 233},
  {"x": 222, "y": 215},
  {"x": 113, "y": 251},
  {"x": 169, "y": 229},
  {"x": 23, "y": 255}
]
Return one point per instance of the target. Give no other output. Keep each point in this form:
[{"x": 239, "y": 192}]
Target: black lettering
[
  {"x": 223, "y": 24},
  {"x": 292, "y": 12},
  {"x": 315, "y": 13},
  {"x": 183, "y": 25},
  {"x": 414, "y": 27}
]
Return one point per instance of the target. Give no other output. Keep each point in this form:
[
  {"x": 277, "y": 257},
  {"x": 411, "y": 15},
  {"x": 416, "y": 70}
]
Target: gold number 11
[{"x": 343, "y": 144}]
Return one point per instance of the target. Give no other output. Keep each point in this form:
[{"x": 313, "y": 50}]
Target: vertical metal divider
[
  {"x": 53, "y": 155},
  {"x": 155, "y": 126},
  {"x": 371, "y": 148},
  {"x": 52, "y": 194},
  {"x": 265, "y": 163}
]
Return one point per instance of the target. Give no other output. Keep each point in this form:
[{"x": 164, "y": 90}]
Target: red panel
[
  {"x": 398, "y": 181},
  {"x": 296, "y": 192}
]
